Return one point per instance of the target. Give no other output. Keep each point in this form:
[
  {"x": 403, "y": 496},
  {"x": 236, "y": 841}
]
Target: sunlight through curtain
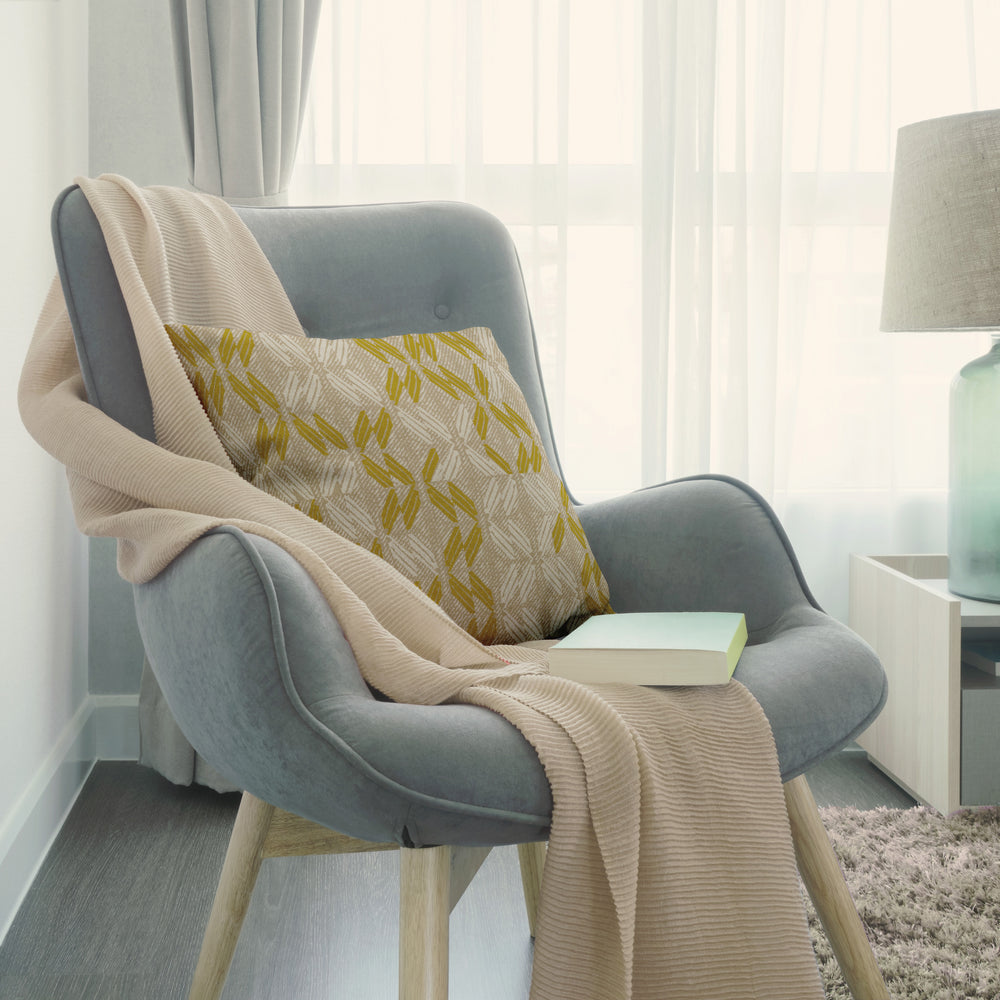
[{"x": 699, "y": 191}]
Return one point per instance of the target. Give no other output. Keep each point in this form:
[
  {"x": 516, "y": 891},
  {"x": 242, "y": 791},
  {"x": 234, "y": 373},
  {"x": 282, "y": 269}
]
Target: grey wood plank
[
  {"x": 126, "y": 886},
  {"x": 327, "y": 927},
  {"x": 69, "y": 987},
  {"x": 849, "y": 778},
  {"x": 123, "y": 898}
]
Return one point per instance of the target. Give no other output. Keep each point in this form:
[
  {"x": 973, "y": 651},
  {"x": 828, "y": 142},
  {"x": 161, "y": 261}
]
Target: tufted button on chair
[{"x": 284, "y": 712}]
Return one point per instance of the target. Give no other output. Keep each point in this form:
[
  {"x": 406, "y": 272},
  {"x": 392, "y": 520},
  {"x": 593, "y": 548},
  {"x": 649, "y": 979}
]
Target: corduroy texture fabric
[{"x": 670, "y": 871}]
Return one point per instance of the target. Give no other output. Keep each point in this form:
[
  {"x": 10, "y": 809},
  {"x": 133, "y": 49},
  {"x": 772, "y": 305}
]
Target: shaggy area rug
[{"x": 928, "y": 890}]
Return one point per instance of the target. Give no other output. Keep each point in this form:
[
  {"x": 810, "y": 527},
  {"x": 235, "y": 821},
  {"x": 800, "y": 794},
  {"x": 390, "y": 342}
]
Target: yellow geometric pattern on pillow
[{"x": 421, "y": 448}]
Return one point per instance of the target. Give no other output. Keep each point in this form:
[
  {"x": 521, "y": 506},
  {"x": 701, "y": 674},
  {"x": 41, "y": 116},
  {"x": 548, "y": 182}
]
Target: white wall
[
  {"x": 43, "y": 621},
  {"x": 88, "y": 88}
]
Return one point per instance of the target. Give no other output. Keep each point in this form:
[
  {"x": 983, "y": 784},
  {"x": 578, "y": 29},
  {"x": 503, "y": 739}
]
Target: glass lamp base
[
  {"x": 974, "y": 499},
  {"x": 974, "y": 545}
]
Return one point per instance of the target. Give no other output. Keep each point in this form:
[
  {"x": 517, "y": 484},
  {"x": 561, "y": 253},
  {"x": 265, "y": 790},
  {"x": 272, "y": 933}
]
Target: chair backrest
[{"x": 350, "y": 271}]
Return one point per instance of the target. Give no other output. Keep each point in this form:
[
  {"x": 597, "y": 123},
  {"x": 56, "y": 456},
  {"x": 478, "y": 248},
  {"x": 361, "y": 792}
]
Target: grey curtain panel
[{"x": 242, "y": 73}]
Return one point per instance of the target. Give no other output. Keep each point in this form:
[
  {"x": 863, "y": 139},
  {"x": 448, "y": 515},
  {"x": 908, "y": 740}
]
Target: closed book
[
  {"x": 655, "y": 649},
  {"x": 983, "y": 655}
]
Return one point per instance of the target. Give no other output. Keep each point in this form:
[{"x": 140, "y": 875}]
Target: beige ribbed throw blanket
[{"x": 670, "y": 870}]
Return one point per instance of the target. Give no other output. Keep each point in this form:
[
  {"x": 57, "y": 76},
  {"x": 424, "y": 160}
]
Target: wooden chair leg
[
  {"x": 424, "y": 905},
  {"x": 239, "y": 874},
  {"x": 532, "y": 858},
  {"x": 825, "y": 883}
]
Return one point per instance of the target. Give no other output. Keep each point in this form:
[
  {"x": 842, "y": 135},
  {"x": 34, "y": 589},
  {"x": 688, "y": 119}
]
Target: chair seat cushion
[{"x": 420, "y": 448}]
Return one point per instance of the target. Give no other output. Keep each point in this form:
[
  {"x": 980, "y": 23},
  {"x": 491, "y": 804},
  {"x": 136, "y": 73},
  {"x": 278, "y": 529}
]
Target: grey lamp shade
[{"x": 943, "y": 255}]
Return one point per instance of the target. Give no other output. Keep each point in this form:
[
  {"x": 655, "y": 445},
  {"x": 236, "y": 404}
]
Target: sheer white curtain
[{"x": 699, "y": 191}]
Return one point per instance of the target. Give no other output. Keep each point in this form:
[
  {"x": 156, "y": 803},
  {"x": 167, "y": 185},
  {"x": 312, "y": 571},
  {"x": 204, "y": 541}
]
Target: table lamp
[{"x": 943, "y": 273}]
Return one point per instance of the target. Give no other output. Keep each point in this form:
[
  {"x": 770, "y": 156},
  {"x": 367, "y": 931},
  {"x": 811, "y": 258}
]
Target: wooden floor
[{"x": 119, "y": 907}]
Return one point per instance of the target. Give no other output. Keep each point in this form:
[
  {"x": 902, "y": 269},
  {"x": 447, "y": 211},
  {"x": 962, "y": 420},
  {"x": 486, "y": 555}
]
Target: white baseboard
[{"x": 105, "y": 727}]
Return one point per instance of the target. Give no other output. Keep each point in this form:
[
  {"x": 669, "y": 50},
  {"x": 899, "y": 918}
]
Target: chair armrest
[
  {"x": 708, "y": 543},
  {"x": 262, "y": 681}
]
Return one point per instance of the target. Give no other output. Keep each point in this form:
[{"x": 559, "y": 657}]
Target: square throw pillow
[{"x": 420, "y": 448}]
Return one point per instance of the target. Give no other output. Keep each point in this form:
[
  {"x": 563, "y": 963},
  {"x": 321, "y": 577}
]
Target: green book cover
[{"x": 652, "y": 648}]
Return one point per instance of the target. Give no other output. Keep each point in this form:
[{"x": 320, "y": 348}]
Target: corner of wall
[{"x": 46, "y": 709}]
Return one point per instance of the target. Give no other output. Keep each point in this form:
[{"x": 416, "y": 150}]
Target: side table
[{"x": 939, "y": 733}]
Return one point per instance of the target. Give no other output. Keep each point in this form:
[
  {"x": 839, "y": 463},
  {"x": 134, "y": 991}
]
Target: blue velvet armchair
[{"x": 284, "y": 713}]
